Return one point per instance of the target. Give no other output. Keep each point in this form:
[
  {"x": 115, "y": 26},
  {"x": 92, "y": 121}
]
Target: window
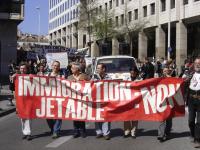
[
  {"x": 122, "y": 19},
  {"x": 110, "y": 21},
  {"x": 122, "y": 2},
  {"x": 136, "y": 14},
  {"x": 96, "y": 10},
  {"x": 185, "y": 2},
  {"x": 100, "y": 9},
  {"x": 117, "y": 2},
  {"x": 110, "y": 4},
  {"x": 106, "y": 6},
  {"x": 145, "y": 11},
  {"x": 173, "y": 4},
  {"x": 129, "y": 16},
  {"x": 152, "y": 8},
  {"x": 163, "y": 5},
  {"x": 117, "y": 21}
]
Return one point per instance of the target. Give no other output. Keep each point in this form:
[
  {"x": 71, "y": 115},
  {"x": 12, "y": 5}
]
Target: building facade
[
  {"x": 63, "y": 24},
  {"x": 11, "y": 14},
  {"x": 182, "y": 17}
]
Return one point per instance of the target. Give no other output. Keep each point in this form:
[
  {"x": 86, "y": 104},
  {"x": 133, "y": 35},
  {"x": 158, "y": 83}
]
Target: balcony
[{"x": 12, "y": 9}]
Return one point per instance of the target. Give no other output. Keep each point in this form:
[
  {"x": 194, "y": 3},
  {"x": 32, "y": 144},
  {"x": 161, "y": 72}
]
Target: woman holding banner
[
  {"x": 130, "y": 127},
  {"x": 164, "y": 128}
]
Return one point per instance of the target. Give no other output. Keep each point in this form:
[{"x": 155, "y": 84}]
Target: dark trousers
[
  {"x": 165, "y": 127},
  {"x": 194, "y": 115},
  {"x": 54, "y": 125},
  {"x": 79, "y": 127}
]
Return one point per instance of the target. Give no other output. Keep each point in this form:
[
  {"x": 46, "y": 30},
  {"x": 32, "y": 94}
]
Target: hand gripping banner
[{"x": 48, "y": 97}]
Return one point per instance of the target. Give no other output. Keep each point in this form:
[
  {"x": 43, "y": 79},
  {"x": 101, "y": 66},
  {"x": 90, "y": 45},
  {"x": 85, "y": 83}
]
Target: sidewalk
[{"x": 5, "y": 94}]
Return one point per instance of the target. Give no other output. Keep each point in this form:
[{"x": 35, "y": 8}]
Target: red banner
[{"x": 48, "y": 97}]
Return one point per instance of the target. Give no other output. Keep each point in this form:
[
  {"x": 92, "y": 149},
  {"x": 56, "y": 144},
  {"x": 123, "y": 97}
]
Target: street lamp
[
  {"x": 38, "y": 9},
  {"x": 169, "y": 49}
]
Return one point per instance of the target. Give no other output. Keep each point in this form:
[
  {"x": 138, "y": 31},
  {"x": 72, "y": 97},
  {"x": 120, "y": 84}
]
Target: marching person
[
  {"x": 26, "y": 123},
  {"x": 194, "y": 104},
  {"x": 41, "y": 70},
  {"x": 130, "y": 127},
  {"x": 55, "y": 124},
  {"x": 164, "y": 128},
  {"x": 102, "y": 128},
  {"x": 147, "y": 69},
  {"x": 79, "y": 126}
]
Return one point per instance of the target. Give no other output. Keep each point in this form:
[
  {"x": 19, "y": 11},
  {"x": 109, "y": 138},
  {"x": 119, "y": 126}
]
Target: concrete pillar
[
  {"x": 142, "y": 53},
  {"x": 68, "y": 37},
  {"x": 115, "y": 46},
  {"x": 94, "y": 49},
  {"x": 74, "y": 36},
  {"x": 160, "y": 43},
  {"x": 8, "y": 45},
  {"x": 80, "y": 39},
  {"x": 181, "y": 45}
]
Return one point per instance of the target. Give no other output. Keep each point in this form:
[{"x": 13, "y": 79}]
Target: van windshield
[{"x": 116, "y": 65}]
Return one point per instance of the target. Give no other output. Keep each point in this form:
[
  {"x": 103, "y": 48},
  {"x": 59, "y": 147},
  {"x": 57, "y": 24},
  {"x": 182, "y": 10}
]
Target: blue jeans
[
  {"x": 103, "y": 128},
  {"x": 54, "y": 125}
]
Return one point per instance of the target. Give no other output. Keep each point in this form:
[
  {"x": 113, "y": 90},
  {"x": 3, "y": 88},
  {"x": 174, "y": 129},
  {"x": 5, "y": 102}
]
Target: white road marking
[
  {"x": 62, "y": 140},
  {"x": 58, "y": 142}
]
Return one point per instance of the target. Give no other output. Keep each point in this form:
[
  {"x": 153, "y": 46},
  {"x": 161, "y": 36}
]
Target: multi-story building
[
  {"x": 63, "y": 24},
  {"x": 182, "y": 17},
  {"x": 11, "y": 14}
]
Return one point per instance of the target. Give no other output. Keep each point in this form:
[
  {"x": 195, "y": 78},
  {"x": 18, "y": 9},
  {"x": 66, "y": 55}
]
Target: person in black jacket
[{"x": 147, "y": 69}]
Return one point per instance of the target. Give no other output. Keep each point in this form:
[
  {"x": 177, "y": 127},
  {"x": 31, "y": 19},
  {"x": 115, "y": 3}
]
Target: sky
[{"x": 30, "y": 23}]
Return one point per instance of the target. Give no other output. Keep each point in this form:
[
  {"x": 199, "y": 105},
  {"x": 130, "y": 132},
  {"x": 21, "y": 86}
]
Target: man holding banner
[
  {"x": 77, "y": 75},
  {"x": 55, "y": 124},
  {"x": 102, "y": 128},
  {"x": 194, "y": 104},
  {"x": 26, "y": 122}
]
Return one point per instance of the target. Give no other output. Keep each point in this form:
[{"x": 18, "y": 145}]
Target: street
[{"x": 11, "y": 137}]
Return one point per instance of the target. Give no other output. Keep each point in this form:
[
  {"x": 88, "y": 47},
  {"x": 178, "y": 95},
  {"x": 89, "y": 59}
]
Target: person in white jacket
[{"x": 26, "y": 123}]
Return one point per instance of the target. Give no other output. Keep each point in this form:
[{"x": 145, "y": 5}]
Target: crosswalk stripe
[{"x": 58, "y": 142}]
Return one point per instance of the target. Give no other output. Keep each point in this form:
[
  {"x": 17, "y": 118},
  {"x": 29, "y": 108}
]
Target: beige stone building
[{"x": 182, "y": 17}]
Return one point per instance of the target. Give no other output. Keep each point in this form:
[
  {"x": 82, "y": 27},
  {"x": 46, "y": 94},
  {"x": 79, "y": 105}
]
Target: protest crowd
[{"x": 146, "y": 69}]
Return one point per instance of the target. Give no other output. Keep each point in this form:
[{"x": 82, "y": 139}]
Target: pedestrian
[
  {"x": 12, "y": 70},
  {"x": 194, "y": 104},
  {"x": 41, "y": 70},
  {"x": 102, "y": 128},
  {"x": 55, "y": 124},
  {"x": 26, "y": 122},
  {"x": 147, "y": 69},
  {"x": 164, "y": 128},
  {"x": 77, "y": 75},
  {"x": 130, "y": 127}
]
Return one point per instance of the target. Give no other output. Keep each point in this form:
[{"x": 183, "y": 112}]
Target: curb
[{"x": 7, "y": 111}]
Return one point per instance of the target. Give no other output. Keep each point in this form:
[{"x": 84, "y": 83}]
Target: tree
[
  {"x": 86, "y": 13},
  {"x": 103, "y": 27},
  {"x": 130, "y": 29}
]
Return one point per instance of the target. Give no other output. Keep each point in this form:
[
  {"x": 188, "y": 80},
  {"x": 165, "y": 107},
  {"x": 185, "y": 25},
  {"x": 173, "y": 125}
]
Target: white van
[{"x": 117, "y": 67}]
